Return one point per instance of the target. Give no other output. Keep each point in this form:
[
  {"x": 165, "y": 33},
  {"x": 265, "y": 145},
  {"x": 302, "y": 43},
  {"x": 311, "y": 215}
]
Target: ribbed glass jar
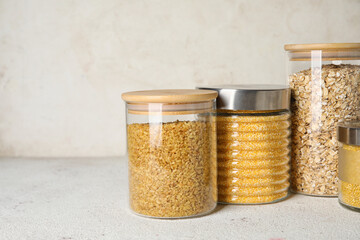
[
  {"x": 171, "y": 138},
  {"x": 253, "y": 130},
  {"x": 253, "y": 156}
]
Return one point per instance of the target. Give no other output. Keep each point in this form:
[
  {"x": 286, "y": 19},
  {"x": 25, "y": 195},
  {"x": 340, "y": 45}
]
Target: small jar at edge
[{"x": 349, "y": 165}]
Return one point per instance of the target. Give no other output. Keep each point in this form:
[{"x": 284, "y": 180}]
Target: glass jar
[
  {"x": 324, "y": 81},
  {"x": 171, "y": 138},
  {"x": 253, "y": 143},
  {"x": 349, "y": 165}
]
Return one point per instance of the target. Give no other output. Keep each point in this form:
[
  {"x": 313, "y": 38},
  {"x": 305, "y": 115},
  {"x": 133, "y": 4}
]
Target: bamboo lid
[
  {"x": 322, "y": 46},
  {"x": 169, "y": 96},
  {"x": 323, "y": 51}
]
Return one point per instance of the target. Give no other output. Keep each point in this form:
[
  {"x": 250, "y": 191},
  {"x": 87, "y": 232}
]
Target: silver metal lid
[
  {"x": 251, "y": 97},
  {"x": 349, "y": 133}
]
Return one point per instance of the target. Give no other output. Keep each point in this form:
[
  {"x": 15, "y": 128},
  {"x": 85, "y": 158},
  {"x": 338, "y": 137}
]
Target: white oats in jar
[{"x": 325, "y": 88}]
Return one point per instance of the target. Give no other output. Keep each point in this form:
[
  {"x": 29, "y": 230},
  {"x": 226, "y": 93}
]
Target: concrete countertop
[{"x": 87, "y": 199}]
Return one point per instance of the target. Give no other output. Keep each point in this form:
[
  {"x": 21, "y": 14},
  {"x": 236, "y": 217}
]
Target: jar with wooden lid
[
  {"x": 325, "y": 88},
  {"x": 349, "y": 165},
  {"x": 253, "y": 143},
  {"x": 171, "y": 138}
]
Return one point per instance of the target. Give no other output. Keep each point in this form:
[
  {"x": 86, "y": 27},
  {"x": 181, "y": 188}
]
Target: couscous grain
[{"x": 253, "y": 156}]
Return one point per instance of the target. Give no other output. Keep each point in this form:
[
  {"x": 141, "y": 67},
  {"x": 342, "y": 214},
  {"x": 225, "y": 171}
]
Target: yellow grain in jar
[
  {"x": 349, "y": 165},
  {"x": 253, "y": 129},
  {"x": 171, "y": 139}
]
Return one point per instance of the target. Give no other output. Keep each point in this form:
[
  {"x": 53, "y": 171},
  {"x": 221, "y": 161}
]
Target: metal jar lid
[
  {"x": 349, "y": 133},
  {"x": 251, "y": 97}
]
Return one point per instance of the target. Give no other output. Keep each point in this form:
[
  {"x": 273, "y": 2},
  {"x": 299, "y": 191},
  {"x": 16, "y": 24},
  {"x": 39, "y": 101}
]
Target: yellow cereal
[
  {"x": 252, "y": 199},
  {"x": 349, "y": 175},
  {"x": 253, "y": 118},
  {"x": 252, "y": 126},
  {"x": 251, "y": 172},
  {"x": 252, "y": 145},
  {"x": 252, "y": 163},
  {"x": 350, "y": 194},
  {"x": 258, "y": 154},
  {"x": 254, "y": 191},
  {"x": 351, "y": 147},
  {"x": 253, "y": 157},
  {"x": 253, "y": 182},
  {"x": 252, "y": 136}
]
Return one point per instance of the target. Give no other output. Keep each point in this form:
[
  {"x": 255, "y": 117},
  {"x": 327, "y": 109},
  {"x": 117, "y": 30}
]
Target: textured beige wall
[{"x": 64, "y": 64}]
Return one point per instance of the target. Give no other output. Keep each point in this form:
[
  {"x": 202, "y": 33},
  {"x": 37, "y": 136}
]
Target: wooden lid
[
  {"x": 322, "y": 46},
  {"x": 169, "y": 96},
  {"x": 326, "y": 51}
]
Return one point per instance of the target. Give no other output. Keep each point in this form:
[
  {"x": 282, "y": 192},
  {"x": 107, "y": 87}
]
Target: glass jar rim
[{"x": 170, "y": 108}]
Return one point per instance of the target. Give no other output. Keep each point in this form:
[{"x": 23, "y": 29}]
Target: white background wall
[{"x": 64, "y": 64}]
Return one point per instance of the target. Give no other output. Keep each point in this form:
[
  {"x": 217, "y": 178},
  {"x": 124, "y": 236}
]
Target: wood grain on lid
[
  {"x": 321, "y": 46},
  {"x": 169, "y": 96}
]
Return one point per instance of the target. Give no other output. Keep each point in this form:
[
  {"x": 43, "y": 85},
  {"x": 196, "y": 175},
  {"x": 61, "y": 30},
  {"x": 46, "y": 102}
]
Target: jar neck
[{"x": 170, "y": 108}]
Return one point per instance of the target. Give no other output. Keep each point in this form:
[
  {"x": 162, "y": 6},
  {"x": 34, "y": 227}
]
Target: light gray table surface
[{"x": 86, "y": 198}]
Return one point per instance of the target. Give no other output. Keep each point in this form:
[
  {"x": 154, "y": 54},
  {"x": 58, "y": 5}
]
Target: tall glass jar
[
  {"x": 349, "y": 165},
  {"x": 253, "y": 143},
  {"x": 324, "y": 81},
  {"x": 171, "y": 138}
]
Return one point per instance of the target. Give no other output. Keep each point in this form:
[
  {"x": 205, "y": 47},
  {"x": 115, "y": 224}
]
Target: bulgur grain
[{"x": 172, "y": 168}]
